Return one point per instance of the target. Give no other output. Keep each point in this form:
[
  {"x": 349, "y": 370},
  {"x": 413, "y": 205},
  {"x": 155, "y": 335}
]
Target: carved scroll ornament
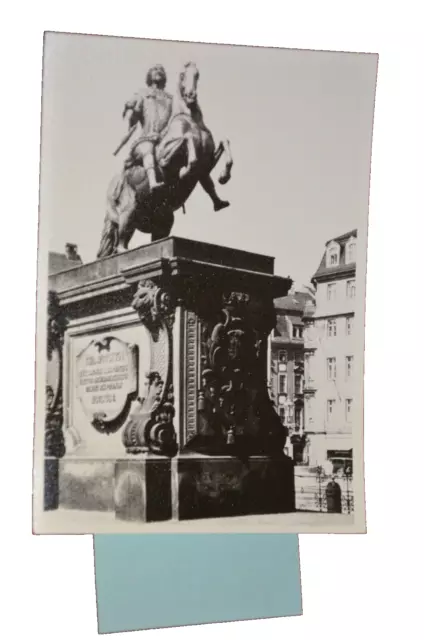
[
  {"x": 233, "y": 401},
  {"x": 54, "y": 443},
  {"x": 150, "y": 426}
]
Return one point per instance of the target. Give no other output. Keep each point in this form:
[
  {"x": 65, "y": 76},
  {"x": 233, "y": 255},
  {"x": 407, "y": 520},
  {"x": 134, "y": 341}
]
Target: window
[
  {"x": 309, "y": 410},
  {"x": 297, "y": 332},
  {"x": 340, "y": 459},
  {"x": 331, "y": 291},
  {"x": 332, "y": 254},
  {"x": 298, "y": 416},
  {"x": 348, "y": 409},
  {"x": 282, "y": 384},
  {"x": 349, "y": 326},
  {"x": 282, "y": 357},
  {"x": 349, "y": 366},
  {"x": 298, "y": 383},
  {"x": 308, "y": 367},
  {"x": 307, "y": 364},
  {"x": 330, "y": 409},
  {"x": 298, "y": 357},
  {"x": 331, "y": 368},
  {"x": 331, "y": 328},
  {"x": 350, "y": 288},
  {"x": 334, "y": 258},
  {"x": 351, "y": 252}
]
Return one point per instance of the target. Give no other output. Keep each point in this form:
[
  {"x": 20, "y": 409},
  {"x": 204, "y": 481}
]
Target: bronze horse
[{"x": 186, "y": 154}]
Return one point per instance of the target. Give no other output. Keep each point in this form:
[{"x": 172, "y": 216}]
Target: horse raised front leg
[
  {"x": 191, "y": 155},
  {"x": 209, "y": 186},
  {"x": 226, "y": 172}
]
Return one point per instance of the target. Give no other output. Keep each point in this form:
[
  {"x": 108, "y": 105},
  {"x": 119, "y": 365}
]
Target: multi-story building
[
  {"x": 286, "y": 368},
  {"x": 329, "y": 356}
]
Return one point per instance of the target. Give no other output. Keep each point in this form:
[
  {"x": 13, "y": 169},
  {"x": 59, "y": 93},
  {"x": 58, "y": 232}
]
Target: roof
[
  {"x": 59, "y": 262},
  {"x": 343, "y": 268},
  {"x": 290, "y": 309},
  {"x": 293, "y": 302},
  {"x": 344, "y": 237}
]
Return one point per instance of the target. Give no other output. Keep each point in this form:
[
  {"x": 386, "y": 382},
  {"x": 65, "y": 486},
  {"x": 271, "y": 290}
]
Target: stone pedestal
[{"x": 157, "y": 404}]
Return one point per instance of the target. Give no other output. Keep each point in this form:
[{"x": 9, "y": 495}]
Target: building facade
[
  {"x": 329, "y": 357},
  {"x": 286, "y": 368}
]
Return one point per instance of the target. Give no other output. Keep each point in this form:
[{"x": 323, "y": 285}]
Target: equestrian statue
[{"x": 173, "y": 151}]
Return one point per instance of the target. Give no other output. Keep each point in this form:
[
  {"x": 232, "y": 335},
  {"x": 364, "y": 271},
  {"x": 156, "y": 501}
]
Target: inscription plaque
[{"x": 106, "y": 378}]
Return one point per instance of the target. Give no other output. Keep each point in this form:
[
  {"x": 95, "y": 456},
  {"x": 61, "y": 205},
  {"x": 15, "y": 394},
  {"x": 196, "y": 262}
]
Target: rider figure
[{"x": 152, "y": 109}]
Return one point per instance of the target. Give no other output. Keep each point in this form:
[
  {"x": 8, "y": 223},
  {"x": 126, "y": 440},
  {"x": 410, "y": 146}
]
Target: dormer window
[
  {"x": 351, "y": 251},
  {"x": 333, "y": 254},
  {"x": 334, "y": 258}
]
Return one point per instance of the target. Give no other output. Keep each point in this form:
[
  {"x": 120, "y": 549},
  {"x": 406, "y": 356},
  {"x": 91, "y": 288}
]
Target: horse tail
[{"x": 109, "y": 239}]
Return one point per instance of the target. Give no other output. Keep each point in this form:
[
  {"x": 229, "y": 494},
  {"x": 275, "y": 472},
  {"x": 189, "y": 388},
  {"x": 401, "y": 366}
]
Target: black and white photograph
[{"x": 201, "y": 287}]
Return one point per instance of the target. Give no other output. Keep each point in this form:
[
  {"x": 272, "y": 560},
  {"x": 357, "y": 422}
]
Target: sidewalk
[{"x": 80, "y": 522}]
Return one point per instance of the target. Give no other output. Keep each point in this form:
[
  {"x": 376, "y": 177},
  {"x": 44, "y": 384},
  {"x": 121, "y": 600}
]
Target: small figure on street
[{"x": 333, "y": 495}]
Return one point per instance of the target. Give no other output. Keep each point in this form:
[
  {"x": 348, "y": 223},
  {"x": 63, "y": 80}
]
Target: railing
[{"x": 317, "y": 490}]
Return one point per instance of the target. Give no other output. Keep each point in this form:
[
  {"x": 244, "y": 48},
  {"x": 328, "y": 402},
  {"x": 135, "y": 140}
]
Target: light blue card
[{"x": 162, "y": 580}]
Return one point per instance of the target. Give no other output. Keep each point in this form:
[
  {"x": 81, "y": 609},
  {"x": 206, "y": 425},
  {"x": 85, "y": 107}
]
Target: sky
[{"x": 299, "y": 125}]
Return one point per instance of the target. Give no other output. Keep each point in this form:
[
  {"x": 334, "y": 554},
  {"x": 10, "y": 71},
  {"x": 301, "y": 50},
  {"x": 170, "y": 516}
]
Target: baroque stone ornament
[
  {"x": 234, "y": 408},
  {"x": 153, "y": 305},
  {"x": 54, "y": 443},
  {"x": 150, "y": 425}
]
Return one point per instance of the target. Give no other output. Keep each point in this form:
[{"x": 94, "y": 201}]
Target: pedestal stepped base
[
  {"x": 159, "y": 357},
  {"x": 133, "y": 489},
  {"x": 222, "y": 487}
]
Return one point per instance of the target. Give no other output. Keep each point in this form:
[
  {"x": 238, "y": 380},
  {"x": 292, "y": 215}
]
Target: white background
[{"x": 352, "y": 585}]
